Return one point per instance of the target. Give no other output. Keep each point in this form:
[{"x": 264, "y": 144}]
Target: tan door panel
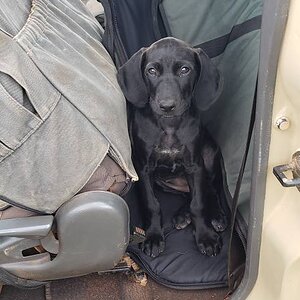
[{"x": 279, "y": 269}]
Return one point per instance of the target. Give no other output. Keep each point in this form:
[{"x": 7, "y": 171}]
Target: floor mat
[{"x": 181, "y": 265}]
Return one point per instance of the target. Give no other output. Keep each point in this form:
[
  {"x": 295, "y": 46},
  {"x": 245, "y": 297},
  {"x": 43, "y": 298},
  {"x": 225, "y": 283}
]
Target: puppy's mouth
[
  {"x": 169, "y": 116},
  {"x": 176, "y": 112}
]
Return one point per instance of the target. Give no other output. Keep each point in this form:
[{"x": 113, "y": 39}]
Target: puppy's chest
[{"x": 168, "y": 147}]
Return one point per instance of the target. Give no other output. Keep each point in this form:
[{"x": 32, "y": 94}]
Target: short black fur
[{"x": 170, "y": 84}]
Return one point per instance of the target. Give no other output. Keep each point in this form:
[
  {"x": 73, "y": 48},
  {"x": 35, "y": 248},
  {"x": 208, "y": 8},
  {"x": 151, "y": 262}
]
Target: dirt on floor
[{"x": 118, "y": 286}]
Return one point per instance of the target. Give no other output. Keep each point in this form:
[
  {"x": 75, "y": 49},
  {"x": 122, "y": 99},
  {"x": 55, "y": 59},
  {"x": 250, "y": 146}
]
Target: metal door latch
[{"x": 294, "y": 167}]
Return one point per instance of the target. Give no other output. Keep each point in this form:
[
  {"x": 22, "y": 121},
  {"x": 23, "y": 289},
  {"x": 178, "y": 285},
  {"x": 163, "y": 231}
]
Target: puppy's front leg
[
  {"x": 154, "y": 243},
  {"x": 208, "y": 241}
]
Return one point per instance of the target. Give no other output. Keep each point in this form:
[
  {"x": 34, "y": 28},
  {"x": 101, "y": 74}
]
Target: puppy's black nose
[{"x": 167, "y": 107}]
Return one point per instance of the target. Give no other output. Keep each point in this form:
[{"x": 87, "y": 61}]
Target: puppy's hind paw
[
  {"x": 219, "y": 224},
  {"x": 182, "y": 220}
]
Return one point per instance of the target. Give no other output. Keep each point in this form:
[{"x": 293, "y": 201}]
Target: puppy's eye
[
  {"x": 184, "y": 71},
  {"x": 152, "y": 72}
]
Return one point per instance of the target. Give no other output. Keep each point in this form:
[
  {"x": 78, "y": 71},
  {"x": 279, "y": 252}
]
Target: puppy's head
[{"x": 170, "y": 76}]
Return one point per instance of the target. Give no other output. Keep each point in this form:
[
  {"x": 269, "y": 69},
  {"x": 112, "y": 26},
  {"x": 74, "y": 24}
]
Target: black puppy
[{"x": 170, "y": 84}]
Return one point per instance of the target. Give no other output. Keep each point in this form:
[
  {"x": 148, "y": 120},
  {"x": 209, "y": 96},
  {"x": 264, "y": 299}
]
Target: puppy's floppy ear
[
  {"x": 210, "y": 82},
  {"x": 131, "y": 80}
]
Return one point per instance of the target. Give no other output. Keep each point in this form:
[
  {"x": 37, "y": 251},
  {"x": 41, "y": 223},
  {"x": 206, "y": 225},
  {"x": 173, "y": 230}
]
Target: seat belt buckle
[{"x": 137, "y": 235}]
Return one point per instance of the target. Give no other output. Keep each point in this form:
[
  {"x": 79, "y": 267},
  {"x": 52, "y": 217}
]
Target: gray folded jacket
[{"x": 61, "y": 109}]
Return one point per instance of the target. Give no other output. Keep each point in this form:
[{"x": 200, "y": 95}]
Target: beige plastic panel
[{"x": 279, "y": 271}]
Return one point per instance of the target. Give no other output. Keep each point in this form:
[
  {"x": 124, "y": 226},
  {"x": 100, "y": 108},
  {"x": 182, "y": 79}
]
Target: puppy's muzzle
[{"x": 167, "y": 106}]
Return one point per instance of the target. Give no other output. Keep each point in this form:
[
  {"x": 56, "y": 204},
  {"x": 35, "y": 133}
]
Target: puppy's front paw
[
  {"x": 154, "y": 244},
  {"x": 219, "y": 223},
  {"x": 209, "y": 242}
]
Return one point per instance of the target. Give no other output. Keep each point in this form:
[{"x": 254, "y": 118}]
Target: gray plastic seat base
[{"x": 92, "y": 232}]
